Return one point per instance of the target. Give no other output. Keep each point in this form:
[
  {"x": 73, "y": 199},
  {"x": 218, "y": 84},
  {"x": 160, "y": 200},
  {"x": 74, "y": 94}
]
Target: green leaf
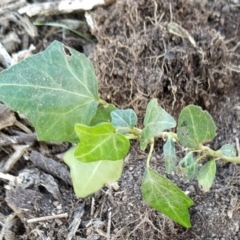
[
  {"x": 156, "y": 121},
  {"x": 195, "y": 127},
  {"x": 54, "y": 89},
  {"x": 206, "y": 175},
  {"x": 228, "y": 150},
  {"x": 100, "y": 142},
  {"x": 102, "y": 115},
  {"x": 88, "y": 178},
  {"x": 189, "y": 166},
  {"x": 169, "y": 154},
  {"x": 124, "y": 118},
  {"x": 163, "y": 195}
]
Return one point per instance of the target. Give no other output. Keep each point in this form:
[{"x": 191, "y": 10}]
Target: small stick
[
  {"x": 237, "y": 146},
  {"x": 45, "y": 218},
  {"x": 109, "y": 225}
]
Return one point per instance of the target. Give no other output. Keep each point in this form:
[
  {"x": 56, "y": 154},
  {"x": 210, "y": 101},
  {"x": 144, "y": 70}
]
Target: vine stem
[
  {"x": 150, "y": 152},
  {"x": 218, "y": 155}
]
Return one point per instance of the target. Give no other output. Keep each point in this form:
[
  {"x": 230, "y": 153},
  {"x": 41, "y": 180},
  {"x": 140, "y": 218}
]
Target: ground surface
[{"x": 140, "y": 53}]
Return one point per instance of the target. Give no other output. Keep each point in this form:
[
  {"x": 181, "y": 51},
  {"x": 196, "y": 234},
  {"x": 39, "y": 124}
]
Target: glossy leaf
[
  {"x": 228, "y": 150},
  {"x": 103, "y": 114},
  {"x": 54, "y": 89},
  {"x": 188, "y": 166},
  {"x": 169, "y": 154},
  {"x": 124, "y": 119},
  {"x": 206, "y": 175},
  {"x": 195, "y": 127},
  {"x": 163, "y": 195},
  {"x": 156, "y": 121},
  {"x": 88, "y": 178},
  {"x": 100, "y": 142}
]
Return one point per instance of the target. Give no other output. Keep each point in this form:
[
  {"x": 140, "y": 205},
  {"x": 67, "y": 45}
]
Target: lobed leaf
[
  {"x": 228, "y": 150},
  {"x": 54, "y": 89},
  {"x": 100, "y": 142},
  {"x": 206, "y": 175},
  {"x": 169, "y": 155},
  {"x": 88, "y": 178},
  {"x": 103, "y": 114},
  {"x": 156, "y": 121},
  {"x": 195, "y": 127},
  {"x": 188, "y": 166},
  {"x": 124, "y": 118},
  {"x": 163, "y": 195}
]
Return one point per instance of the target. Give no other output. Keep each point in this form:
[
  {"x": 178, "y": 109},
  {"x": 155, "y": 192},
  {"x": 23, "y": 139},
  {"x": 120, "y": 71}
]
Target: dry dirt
[{"x": 180, "y": 52}]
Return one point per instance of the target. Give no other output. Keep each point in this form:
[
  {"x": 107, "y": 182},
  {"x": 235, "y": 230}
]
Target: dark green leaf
[
  {"x": 103, "y": 114},
  {"x": 228, "y": 150},
  {"x": 206, "y": 175},
  {"x": 169, "y": 154},
  {"x": 155, "y": 122},
  {"x": 188, "y": 166},
  {"x": 100, "y": 142},
  {"x": 163, "y": 195},
  {"x": 195, "y": 127},
  {"x": 87, "y": 178},
  {"x": 54, "y": 89},
  {"x": 124, "y": 118}
]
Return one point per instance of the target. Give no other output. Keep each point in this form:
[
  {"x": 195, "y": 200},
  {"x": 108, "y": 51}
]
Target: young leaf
[
  {"x": 156, "y": 121},
  {"x": 87, "y": 178},
  {"x": 102, "y": 115},
  {"x": 169, "y": 154},
  {"x": 188, "y": 166},
  {"x": 100, "y": 142},
  {"x": 54, "y": 89},
  {"x": 206, "y": 175},
  {"x": 124, "y": 118},
  {"x": 163, "y": 195},
  {"x": 228, "y": 150},
  {"x": 195, "y": 127}
]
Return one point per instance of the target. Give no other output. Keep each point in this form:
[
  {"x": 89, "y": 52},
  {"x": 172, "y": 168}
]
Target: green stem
[
  {"x": 150, "y": 152},
  {"x": 219, "y": 155},
  {"x": 103, "y": 102}
]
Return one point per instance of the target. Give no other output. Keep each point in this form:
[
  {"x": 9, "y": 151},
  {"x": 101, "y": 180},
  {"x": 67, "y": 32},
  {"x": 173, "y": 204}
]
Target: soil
[{"x": 181, "y": 52}]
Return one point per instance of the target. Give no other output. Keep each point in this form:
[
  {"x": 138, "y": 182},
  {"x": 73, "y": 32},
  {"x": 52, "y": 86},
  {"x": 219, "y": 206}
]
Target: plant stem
[
  {"x": 150, "y": 152},
  {"x": 219, "y": 155},
  {"x": 103, "y": 102}
]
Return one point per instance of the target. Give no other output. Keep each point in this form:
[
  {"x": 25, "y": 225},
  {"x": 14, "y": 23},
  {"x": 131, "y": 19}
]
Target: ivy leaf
[
  {"x": 188, "y": 166},
  {"x": 228, "y": 150},
  {"x": 124, "y": 118},
  {"x": 195, "y": 127},
  {"x": 163, "y": 195},
  {"x": 88, "y": 178},
  {"x": 100, "y": 142},
  {"x": 54, "y": 89},
  {"x": 169, "y": 154},
  {"x": 102, "y": 115},
  {"x": 206, "y": 175},
  {"x": 156, "y": 121}
]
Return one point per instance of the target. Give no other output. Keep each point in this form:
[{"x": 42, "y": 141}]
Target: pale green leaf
[
  {"x": 206, "y": 175},
  {"x": 88, "y": 178},
  {"x": 54, "y": 89},
  {"x": 169, "y": 154},
  {"x": 156, "y": 121},
  {"x": 163, "y": 195},
  {"x": 188, "y": 166},
  {"x": 195, "y": 127},
  {"x": 228, "y": 150},
  {"x": 123, "y": 119},
  {"x": 103, "y": 114},
  {"x": 100, "y": 142}
]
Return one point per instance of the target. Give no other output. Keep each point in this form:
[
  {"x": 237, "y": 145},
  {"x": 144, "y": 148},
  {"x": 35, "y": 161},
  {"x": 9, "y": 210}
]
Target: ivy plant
[{"x": 57, "y": 91}]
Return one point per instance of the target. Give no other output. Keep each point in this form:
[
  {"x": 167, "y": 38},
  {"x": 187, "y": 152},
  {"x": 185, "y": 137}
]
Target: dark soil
[{"x": 180, "y": 52}]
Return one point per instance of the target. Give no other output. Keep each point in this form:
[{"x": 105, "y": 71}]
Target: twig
[
  {"x": 5, "y": 58},
  {"x": 11, "y": 6},
  {"x": 109, "y": 225},
  {"x": 45, "y": 218},
  {"x": 237, "y": 146},
  {"x": 10, "y": 140},
  {"x": 64, "y": 6}
]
